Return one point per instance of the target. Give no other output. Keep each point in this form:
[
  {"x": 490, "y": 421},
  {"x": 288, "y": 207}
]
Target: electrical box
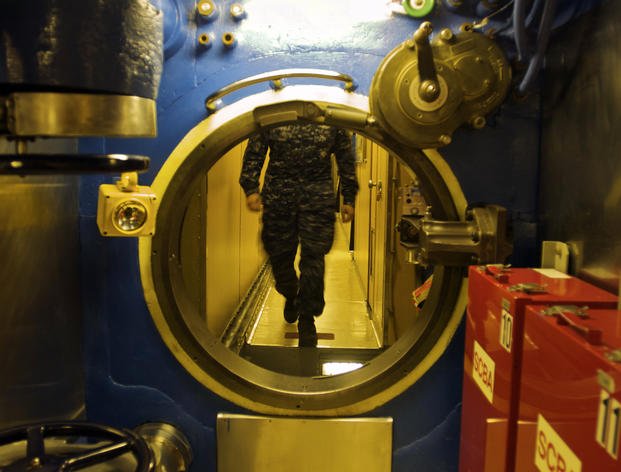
[{"x": 126, "y": 213}]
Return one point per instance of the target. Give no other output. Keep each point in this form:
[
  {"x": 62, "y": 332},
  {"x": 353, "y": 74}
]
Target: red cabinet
[
  {"x": 569, "y": 414},
  {"x": 492, "y": 364}
]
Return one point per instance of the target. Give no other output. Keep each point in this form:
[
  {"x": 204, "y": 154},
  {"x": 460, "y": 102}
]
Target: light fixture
[
  {"x": 126, "y": 209},
  {"x": 129, "y": 216}
]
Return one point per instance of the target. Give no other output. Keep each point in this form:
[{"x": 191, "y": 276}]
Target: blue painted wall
[{"x": 131, "y": 376}]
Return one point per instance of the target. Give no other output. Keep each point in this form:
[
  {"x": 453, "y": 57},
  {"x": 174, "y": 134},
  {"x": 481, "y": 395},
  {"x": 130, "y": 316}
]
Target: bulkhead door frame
[{"x": 203, "y": 355}]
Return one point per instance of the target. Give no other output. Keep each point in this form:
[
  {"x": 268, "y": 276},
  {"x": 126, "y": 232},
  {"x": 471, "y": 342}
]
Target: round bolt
[
  {"x": 445, "y": 139},
  {"x": 277, "y": 84},
  {"x": 428, "y": 90},
  {"x": 204, "y": 40},
  {"x": 446, "y": 34},
  {"x": 431, "y": 88},
  {"x": 228, "y": 40},
  {"x": 206, "y": 8},
  {"x": 478, "y": 122},
  {"x": 237, "y": 11}
]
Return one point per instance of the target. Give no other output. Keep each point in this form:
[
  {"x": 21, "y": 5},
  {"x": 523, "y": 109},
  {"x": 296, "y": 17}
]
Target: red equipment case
[
  {"x": 494, "y": 332},
  {"x": 570, "y": 391}
]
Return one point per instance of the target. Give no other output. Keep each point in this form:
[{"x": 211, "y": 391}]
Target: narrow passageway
[{"x": 345, "y": 321}]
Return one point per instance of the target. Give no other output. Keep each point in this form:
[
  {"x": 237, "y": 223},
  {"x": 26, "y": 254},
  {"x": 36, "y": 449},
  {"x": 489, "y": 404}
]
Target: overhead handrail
[{"x": 212, "y": 102}]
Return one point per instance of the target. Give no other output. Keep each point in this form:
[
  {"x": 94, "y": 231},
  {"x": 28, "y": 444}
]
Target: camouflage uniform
[{"x": 299, "y": 203}]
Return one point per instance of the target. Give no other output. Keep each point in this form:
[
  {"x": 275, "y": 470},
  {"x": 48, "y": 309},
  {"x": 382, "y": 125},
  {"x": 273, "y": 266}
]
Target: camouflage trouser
[{"x": 312, "y": 226}]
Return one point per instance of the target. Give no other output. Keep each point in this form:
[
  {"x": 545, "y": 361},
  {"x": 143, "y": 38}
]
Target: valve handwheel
[{"x": 107, "y": 444}]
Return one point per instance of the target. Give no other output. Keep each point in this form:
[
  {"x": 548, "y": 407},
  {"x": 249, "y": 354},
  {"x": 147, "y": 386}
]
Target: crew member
[{"x": 299, "y": 208}]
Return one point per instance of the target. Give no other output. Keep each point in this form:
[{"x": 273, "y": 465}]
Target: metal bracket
[
  {"x": 429, "y": 87},
  {"x": 481, "y": 239},
  {"x": 555, "y": 310},
  {"x": 528, "y": 288},
  {"x": 314, "y": 112},
  {"x": 614, "y": 356},
  {"x": 560, "y": 312},
  {"x": 555, "y": 255}
]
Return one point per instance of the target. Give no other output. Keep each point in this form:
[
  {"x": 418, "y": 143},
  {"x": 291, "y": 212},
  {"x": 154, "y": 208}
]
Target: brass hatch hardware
[
  {"x": 213, "y": 102},
  {"x": 481, "y": 239},
  {"x": 425, "y": 89}
]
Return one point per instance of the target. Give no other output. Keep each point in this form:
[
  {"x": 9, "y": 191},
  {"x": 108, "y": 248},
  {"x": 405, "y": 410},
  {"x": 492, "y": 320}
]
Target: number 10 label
[{"x": 506, "y": 330}]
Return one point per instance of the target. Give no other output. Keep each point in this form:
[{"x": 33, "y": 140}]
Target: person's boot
[
  {"x": 307, "y": 332},
  {"x": 291, "y": 310}
]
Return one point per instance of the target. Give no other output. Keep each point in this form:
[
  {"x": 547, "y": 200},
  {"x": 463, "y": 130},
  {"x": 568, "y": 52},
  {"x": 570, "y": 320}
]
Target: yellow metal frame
[{"x": 303, "y": 95}]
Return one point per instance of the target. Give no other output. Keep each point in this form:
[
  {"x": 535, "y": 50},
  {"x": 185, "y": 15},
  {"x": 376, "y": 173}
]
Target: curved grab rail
[{"x": 275, "y": 77}]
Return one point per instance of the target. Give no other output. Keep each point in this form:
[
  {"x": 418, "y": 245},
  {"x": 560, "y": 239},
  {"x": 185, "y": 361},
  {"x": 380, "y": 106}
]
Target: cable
[
  {"x": 485, "y": 21},
  {"x": 545, "y": 29},
  {"x": 533, "y": 12},
  {"x": 519, "y": 27}
]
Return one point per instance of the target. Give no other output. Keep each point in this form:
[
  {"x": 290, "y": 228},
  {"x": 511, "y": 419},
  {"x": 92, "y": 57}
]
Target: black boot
[
  {"x": 307, "y": 332},
  {"x": 291, "y": 310}
]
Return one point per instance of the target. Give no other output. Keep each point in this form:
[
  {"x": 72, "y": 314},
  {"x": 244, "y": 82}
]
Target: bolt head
[
  {"x": 237, "y": 11},
  {"x": 206, "y": 8},
  {"x": 478, "y": 122},
  {"x": 445, "y": 139},
  {"x": 446, "y": 34}
]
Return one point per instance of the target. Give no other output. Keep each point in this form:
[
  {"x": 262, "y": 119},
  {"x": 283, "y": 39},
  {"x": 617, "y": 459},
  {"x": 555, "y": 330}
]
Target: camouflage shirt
[{"x": 299, "y": 163}]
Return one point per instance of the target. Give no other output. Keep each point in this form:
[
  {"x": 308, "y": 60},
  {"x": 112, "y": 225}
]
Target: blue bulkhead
[{"x": 131, "y": 376}]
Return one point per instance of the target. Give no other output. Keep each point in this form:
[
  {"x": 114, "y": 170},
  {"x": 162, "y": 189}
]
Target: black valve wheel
[{"x": 85, "y": 445}]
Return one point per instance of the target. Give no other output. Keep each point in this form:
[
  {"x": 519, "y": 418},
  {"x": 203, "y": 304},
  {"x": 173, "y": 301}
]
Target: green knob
[{"x": 418, "y": 8}]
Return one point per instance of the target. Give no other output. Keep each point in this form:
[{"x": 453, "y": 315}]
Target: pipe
[
  {"x": 533, "y": 12},
  {"x": 519, "y": 27},
  {"x": 545, "y": 29},
  {"x": 171, "y": 449}
]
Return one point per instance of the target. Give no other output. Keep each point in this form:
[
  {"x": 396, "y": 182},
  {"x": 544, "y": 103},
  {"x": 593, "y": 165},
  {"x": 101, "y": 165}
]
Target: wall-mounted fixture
[{"x": 126, "y": 208}]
